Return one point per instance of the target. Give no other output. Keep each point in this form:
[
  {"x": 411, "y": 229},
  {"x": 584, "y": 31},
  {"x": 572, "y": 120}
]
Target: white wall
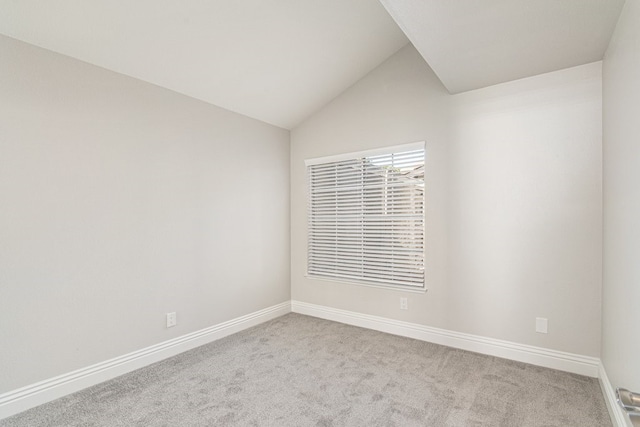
[
  {"x": 621, "y": 141},
  {"x": 120, "y": 202},
  {"x": 514, "y": 200},
  {"x": 525, "y": 210}
]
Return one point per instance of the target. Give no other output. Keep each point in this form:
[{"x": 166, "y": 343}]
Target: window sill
[{"x": 401, "y": 288}]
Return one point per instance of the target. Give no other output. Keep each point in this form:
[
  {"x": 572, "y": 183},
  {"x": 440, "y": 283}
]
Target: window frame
[{"x": 356, "y": 156}]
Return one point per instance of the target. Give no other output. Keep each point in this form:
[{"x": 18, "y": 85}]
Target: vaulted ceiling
[
  {"x": 281, "y": 60},
  {"x": 471, "y": 44},
  {"x": 274, "y": 60}
]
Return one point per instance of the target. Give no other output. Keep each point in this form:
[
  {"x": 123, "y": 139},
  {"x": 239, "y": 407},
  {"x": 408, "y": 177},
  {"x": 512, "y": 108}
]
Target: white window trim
[
  {"x": 359, "y": 154},
  {"x": 366, "y": 153},
  {"x": 404, "y": 289}
]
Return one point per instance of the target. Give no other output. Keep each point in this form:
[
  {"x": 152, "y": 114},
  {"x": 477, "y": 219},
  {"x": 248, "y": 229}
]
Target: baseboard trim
[
  {"x": 569, "y": 362},
  {"x": 42, "y": 392},
  {"x": 618, "y": 417},
  {"x": 36, "y": 394}
]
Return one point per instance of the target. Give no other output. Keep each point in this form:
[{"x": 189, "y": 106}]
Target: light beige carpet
[{"x": 301, "y": 371}]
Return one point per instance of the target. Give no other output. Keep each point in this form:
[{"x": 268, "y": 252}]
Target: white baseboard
[
  {"x": 42, "y": 392},
  {"x": 618, "y": 416},
  {"x": 36, "y": 394},
  {"x": 569, "y": 362}
]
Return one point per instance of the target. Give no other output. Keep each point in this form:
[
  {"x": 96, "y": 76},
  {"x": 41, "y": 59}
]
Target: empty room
[{"x": 320, "y": 213}]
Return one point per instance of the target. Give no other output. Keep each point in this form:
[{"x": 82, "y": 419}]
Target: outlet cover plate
[
  {"x": 541, "y": 325},
  {"x": 171, "y": 319}
]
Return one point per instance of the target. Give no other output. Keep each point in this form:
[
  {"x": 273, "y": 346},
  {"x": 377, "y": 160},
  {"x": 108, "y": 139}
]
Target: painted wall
[
  {"x": 120, "y": 202},
  {"x": 514, "y": 200},
  {"x": 621, "y": 142}
]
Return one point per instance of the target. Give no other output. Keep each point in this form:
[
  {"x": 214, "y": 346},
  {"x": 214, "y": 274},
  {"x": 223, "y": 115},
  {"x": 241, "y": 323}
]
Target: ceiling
[
  {"x": 279, "y": 61},
  {"x": 471, "y": 44},
  {"x": 274, "y": 60}
]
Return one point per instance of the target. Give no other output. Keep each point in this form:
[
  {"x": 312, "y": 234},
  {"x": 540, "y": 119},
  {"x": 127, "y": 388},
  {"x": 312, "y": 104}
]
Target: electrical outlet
[
  {"x": 171, "y": 319},
  {"x": 404, "y": 305},
  {"x": 541, "y": 325}
]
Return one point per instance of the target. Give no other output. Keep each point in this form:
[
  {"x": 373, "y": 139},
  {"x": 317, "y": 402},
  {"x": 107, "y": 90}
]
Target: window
[{"x": 366, "y": 217}]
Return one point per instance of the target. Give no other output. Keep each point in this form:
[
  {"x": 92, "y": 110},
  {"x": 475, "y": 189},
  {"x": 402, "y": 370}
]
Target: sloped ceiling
[
  {"x": 274, "y": 60},
  {"x": 281, "y": 60},
  {"x": 471, "y": 44}
]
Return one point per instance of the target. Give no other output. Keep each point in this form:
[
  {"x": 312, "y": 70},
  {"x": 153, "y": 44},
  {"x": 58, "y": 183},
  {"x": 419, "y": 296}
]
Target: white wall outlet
[
  {"x": 541, "y": 325},
  {"x": 171, "y": 319},
  {"x": 404, "y": 305}
]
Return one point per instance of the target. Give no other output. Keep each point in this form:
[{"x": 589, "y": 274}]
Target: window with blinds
[{"x": 366, "y": 217}]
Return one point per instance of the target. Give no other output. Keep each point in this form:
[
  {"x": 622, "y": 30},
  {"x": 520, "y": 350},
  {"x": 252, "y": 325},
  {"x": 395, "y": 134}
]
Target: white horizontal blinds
[{"x": 366, "y": 218}]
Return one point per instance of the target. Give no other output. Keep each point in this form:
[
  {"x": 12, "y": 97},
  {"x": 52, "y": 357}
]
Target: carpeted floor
[{"x": 301, "y": 371}]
